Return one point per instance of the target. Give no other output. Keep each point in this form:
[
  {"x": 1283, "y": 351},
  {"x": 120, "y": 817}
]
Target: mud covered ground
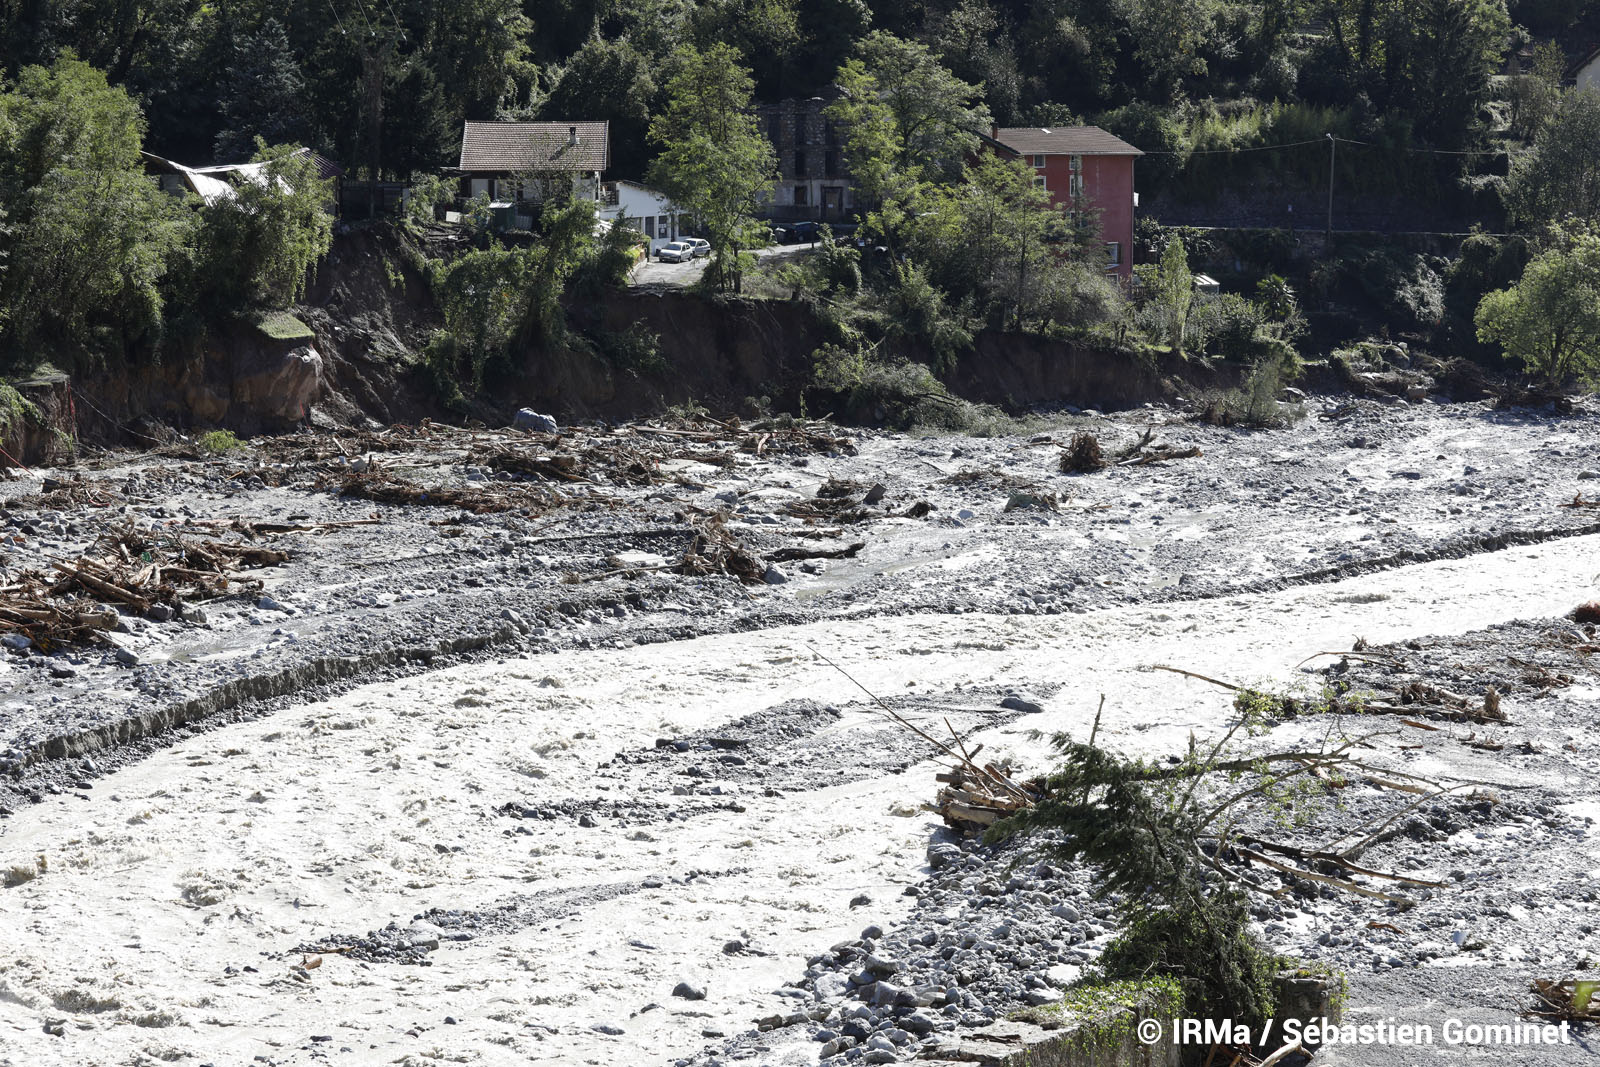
[{"x": 484, "y": 787}]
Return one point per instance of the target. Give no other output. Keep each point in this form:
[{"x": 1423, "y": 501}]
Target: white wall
[
  {"x": 1589, "y": 76},
  {"x": 636, "y": 204}
]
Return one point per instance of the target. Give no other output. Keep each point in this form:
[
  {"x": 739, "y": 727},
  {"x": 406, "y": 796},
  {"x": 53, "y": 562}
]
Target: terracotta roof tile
[
  {"x": 1064, "y": 141},
  {"x": 517, "y": 146}
]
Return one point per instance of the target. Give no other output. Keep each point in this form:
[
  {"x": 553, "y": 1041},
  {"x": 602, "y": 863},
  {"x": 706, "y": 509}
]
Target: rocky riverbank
[{"x": 533, "y": 730}]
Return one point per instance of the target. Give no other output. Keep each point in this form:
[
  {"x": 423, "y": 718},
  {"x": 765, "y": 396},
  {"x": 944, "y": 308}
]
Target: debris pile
[
  {"x": 146, "y": 571},
  {"x": 715, "y": 551},
  {"x": 976, "y": 797},
  {"x": 363, "y": 464},
  {"x": 1083, "y": 454},
  {"x": 1570, "y": 1000}
]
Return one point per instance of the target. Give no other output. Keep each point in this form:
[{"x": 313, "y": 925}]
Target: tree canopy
[
  {"x": 715, "y": 162},
  {"x": 89, "y": 238},
  {"x": 1550, "y": 319}
]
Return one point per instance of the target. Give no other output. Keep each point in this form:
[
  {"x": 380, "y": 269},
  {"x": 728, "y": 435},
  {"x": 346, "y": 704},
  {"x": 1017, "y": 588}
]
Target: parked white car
[
  {"x": 701, "y": 246},
  {"x": 675, "y": 252}
]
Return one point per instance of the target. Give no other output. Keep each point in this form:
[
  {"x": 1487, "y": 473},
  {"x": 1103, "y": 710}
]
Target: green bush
[
  {"x": 1231, "y": 974},
  {"x": 221, "y": 442},
  {"x": 896, "y": 393},
  {"x": 1255, "y": 403},
  {"x": 612, "y": 261},
  {"x": 916, "y": 313},
  {"x": 1231, "y": 326},
  {"x": 636, "y": 350},
  {"x": 256, "y": 248},
  {"x": 838, "y": 264},
  {"x": 428, "y": 193}
]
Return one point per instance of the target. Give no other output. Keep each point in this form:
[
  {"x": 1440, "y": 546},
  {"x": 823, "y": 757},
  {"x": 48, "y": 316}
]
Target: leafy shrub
[
  {"x": 1234, "y": 327},
  {"x": 837, "y": 263},
  {"x": 897, "y": 392},
  {"x": 613, "y": 259},
  {"x": 221, "y": 442},
  {"x": 1085, "y": 298},
  {"x": 636, "y": 350},
  {"x": 428, "y": 192},
  {"x": 916, "y": 313},
  {"x": 1255, "y": 403},
  {"x": 484, "y": 298},
  {"x": 1235, "y": 972}
]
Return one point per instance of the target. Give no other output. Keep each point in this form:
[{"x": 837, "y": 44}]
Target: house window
[
  {"x": 830, "y": 164},
  {"x": 800, "y": 198},
  {"x": 663, "y": 225},
  {"x": 830, "y": 133},
  {"x": 1038, "y": 182},
  {"x": 1114, "y": 251},
  {"x": 1076, "y": 189},
  {"x": 799, "y": 164},
  {"x": 1076, "y": 164},
  {"x": 1038, "y": 161},
  {"x": 650, "y": 227},
  {"x": 774, "y": 128}
]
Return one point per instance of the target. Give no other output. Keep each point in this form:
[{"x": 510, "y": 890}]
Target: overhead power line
[{"x": 1323, "y": 140}]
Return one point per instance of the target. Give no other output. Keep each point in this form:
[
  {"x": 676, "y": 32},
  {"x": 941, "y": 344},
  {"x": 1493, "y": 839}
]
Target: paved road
[{"x": 653, "y": 272}]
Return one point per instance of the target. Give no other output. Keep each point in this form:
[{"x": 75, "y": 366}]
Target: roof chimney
[
  {"x": 994, "y": 133},
  {"x": 572, "y": 135}
]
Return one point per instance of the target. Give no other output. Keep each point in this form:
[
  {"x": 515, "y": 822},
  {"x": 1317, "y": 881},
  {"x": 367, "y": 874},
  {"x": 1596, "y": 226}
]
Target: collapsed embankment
[{"x": 351, "y": 352}]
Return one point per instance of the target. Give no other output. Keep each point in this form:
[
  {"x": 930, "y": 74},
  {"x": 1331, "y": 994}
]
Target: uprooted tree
[{"x": 1179, "y": 853}]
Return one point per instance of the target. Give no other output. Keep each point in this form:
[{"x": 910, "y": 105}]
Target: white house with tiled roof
[{"x": 520, "y": 164}]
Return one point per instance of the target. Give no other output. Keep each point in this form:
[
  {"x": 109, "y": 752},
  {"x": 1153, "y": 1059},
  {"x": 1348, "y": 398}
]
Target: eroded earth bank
[{"x": 506, "y": 747}]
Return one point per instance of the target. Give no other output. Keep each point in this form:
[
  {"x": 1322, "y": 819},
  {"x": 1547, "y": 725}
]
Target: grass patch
[
  {"x": 1103, "y": 1014},
  {"x": 221, "y": 442},
  {"x": 14, "y": 408},
  {"x": 282, "y": 326}
]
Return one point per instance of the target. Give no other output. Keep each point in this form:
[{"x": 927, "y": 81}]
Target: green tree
[
  {"x": 1169, "y": 286},
  {"x": 567, "y": 240},
  {"x": 478, "y": 50},
  {"x": 1454, "y": 48},
  {"x": 90, "y": 238},
  {"x": 264, "y": 95},
  {"x": 971, "y": 40},
  {"x": 1009, "y": 236},
  {"x": 1550, "y": 319},
  {"x": 1535, "y": 92},
  {"x": 1170, "y": 36},
  {"x": 257, "y": 247},
  {"x": 1560, "y": 175},
  {"x": 483, "y": 297},
  {"x": 714, "y": 163},
  {"x": 907, "y": 116},
  {"x": 766, "y": 33},
  {"x": 608, "y": 80}
]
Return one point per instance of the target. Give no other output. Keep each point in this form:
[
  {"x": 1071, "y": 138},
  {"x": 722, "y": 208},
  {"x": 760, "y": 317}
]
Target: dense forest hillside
[
  {"x": 385, "y": 84},
  {"x": 1444, "y": 116}
]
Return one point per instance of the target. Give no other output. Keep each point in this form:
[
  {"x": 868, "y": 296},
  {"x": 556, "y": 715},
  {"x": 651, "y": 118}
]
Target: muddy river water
[{"x": 161, "y": 922}]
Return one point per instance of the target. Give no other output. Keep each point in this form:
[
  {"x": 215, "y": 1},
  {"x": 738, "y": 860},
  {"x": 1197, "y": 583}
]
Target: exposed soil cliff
[{"x": 350, "y": 356}]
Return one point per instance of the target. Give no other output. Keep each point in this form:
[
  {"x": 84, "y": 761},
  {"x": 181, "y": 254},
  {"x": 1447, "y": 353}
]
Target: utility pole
[{"x": 1332, "y": 149}]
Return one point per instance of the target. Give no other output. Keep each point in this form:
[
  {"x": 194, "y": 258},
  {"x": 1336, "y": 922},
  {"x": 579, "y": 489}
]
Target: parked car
[
  {"x": 675, "y": 252},
  {"x": 701, "y": 246}
]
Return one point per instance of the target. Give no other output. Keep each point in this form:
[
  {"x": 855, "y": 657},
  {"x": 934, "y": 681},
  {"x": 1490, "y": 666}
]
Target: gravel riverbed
[{"x": 457, "y": 787}]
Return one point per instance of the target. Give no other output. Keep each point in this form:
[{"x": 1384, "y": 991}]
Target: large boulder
[
  {"x": 279, "y": 385},
  {"x": 530, "y": 420}
]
